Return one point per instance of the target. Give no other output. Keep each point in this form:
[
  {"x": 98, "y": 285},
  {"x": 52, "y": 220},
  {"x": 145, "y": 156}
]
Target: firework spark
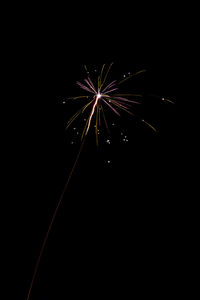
[{"x": 101, "y": 93}]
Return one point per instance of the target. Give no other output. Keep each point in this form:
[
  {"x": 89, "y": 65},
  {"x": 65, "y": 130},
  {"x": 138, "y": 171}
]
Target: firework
[{"x": 102, "y": 93}]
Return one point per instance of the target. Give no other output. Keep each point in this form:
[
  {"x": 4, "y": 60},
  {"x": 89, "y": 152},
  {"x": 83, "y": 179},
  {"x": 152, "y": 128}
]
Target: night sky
[{"x": 118, "y": 229}]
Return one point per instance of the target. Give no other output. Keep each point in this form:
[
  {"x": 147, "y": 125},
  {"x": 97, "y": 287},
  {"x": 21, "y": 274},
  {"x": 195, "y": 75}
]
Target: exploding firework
[{"x": 102, "y": 92}]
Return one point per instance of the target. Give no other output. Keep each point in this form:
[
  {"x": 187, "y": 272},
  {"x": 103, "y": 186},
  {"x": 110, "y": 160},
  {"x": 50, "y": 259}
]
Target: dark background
[{"x": 121, "y": 225}]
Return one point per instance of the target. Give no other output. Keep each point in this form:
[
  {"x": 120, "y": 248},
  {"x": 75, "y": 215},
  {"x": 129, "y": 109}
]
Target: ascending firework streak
[{"x": 102, "y": 93}]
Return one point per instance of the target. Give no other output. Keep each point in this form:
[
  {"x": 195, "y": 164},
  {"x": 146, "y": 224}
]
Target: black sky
[{"x": 119, "y": 227}]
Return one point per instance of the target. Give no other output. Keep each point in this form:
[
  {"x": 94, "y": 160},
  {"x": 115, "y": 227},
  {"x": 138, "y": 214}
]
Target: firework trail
[{"x": 99, "y": 94}]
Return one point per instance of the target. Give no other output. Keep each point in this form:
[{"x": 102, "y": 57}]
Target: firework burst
[{"x": 102, "y": 93}]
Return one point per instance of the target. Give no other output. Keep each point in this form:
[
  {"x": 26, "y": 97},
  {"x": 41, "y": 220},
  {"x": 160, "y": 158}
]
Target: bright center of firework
[{"x": 98, "y": 95}]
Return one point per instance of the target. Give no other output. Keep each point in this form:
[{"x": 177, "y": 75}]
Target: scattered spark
[
  {"x": 125, "y": 140},
  {"x": 108, "y": 141}
]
